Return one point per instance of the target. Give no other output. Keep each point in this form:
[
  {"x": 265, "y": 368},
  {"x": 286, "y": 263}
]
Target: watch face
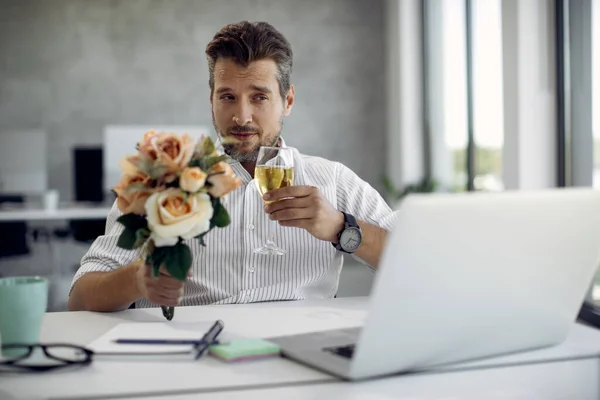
[{"x": 350, "y": 239}]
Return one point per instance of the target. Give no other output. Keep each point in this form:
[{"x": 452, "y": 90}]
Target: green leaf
[
  {"x": 178, "y": 261},
  {"x": 133, "y": 222},
  {"x": 200, "y": 237},
  {"x": 135, "y": 233},
  {"x": 195, "y": 163},
  {"x": 141, "y": 235},
  {"x": 135, "y": 187},
  {"x": 152, "y": 168},
  {"x": 210, "y": 162},
  {"x": 155, "y": 266},
  {"x": 207, "y": 146},
  {"x": 156, "y": 171},
  {"x": 220, "y": 217},
  {"x": 156, "y": 259},
  {"x": 389, "y": 187},
  {"x": 127, "y": 239},
  {"x": 426, "y": 185}
]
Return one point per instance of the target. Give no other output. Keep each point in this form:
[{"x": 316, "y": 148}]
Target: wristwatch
[{"x": 350, "y": 237}]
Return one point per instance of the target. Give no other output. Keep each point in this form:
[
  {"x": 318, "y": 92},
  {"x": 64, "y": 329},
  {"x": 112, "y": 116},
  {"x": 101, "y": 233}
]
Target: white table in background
[
  {"x": 71, "y": 211},
  {"x": 282, "y": 378},
  {"x": 66, "y": 212}
]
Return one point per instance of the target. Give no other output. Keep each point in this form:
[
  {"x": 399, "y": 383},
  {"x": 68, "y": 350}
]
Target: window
[
  {"x": 579, "y": 87},
  {"x": 488, "y": 118},
  {"x": 464, "y": 102},
  {"x": 594, "y": 295},
  {"x": 454, "y": 78},
  {"x": 596, "y": 89}
]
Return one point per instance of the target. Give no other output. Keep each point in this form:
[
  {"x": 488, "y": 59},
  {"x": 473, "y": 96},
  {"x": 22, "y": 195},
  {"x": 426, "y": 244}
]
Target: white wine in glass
[
  {"x": 274, "y": 170},
  {"x": 270, "y": 178}
]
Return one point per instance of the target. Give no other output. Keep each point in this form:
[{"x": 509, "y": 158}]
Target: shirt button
[
  {"x": 251, "y": 269},
  {"x": 251, "y": 226}
]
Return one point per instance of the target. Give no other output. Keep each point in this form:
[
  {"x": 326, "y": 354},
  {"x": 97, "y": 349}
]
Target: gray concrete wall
[{"x": 73, "y": 66}]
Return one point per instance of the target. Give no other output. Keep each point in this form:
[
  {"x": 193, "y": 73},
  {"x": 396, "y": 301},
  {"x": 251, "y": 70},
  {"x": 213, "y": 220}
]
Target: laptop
[{"x": 465, "y": 277}]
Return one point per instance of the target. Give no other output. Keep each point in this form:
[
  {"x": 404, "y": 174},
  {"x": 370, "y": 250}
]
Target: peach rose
[
  {"x": 173, "y": 214},
  {"x": 132, "y": 192},
  {"x": 168, "y": 149},
  {"x": 222, "y": 180},
  {"x": 149, "y": 134},
  {"x": 192, "y": 179}
]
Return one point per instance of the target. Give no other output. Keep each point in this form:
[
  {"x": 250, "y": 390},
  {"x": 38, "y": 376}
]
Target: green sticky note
[{"x": 244, "y": 349}]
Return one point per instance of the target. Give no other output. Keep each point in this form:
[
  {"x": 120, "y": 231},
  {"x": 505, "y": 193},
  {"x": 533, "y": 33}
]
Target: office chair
[{"x": 13, "y": 235}]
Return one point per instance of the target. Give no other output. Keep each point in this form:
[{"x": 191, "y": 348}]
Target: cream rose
[
  {"x": 223, "y": 181},
  {"x": 192, "y": 179},
  {"x": 171, "y": 215},
  {"x": 168, "y": 149}
]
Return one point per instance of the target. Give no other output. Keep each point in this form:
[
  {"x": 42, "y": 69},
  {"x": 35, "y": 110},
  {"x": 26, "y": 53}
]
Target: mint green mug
[{"x": 23, "y": 302}]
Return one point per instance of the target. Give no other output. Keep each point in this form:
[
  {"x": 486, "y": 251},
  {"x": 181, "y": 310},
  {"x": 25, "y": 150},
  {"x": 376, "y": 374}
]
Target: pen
[
  {"x": 209, "y": 338},
  {"x": 159, "y": 341}
]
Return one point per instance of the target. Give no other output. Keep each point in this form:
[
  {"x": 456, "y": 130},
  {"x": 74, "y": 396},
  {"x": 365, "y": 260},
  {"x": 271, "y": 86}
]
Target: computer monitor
[{"x": 23, "y": 161}]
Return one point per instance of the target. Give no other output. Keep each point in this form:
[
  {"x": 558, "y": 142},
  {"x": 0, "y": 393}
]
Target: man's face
[{"x": 247, "y": 107}]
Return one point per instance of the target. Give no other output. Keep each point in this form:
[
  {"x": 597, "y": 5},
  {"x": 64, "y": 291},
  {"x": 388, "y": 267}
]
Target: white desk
[
  {"x": 569, "y": 380},
  {"x": 67, "y": 212},
  {"x": 114, "y": 378}
]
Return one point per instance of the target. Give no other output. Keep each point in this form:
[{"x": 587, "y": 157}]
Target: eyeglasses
[
  {"x": 43, "y": 357},
  {"x": 46, "y": 357}
]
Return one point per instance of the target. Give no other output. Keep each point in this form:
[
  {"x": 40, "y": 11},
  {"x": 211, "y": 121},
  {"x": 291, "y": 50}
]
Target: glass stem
[{"x": 271, "y": 231}]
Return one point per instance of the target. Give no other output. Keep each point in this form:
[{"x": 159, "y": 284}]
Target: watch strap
[{"x": 349, "y": 221}]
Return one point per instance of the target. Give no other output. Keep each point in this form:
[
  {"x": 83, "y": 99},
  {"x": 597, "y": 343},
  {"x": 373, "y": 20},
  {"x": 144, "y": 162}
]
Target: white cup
[{"x": 51, "y": 199}]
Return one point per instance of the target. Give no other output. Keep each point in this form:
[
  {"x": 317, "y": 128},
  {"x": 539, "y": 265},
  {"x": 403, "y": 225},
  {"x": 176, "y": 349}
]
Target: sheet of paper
[{"x": 154, "y": 330}]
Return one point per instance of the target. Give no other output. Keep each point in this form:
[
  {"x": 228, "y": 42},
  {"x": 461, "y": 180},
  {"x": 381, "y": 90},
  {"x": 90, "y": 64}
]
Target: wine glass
[{"x": 274, "y": 170}]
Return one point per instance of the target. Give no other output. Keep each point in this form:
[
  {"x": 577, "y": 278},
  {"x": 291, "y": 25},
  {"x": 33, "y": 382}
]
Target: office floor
[{"x": 356, "y": 279}]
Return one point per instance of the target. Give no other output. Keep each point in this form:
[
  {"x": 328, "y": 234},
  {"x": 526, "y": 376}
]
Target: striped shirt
[{"x": 227, "y": 271}]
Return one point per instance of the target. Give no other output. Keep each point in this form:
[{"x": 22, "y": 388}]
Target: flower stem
[{"x": 168, "y": 312}]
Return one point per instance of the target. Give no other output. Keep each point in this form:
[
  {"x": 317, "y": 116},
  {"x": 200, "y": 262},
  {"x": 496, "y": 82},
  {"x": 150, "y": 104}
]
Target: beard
[{"x": 234, "y": 150}]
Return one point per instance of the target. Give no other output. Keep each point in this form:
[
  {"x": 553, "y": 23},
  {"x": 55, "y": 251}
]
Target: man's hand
[
  {"x": 163, "y": 291},
  {"x": 305, "y": 207}
]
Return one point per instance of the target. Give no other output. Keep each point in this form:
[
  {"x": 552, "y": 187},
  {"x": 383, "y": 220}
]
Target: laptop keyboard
[{"x": 342, "y": 351}]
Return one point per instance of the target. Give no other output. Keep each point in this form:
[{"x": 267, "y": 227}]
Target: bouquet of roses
[{"x": 171, "y": 191}]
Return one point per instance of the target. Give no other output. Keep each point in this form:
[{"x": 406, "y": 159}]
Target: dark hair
[{"x": 245, "y": 42}]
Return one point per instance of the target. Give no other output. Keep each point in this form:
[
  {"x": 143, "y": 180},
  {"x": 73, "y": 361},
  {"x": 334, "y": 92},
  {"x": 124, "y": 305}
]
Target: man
[{"x": 250, "y": 66}]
